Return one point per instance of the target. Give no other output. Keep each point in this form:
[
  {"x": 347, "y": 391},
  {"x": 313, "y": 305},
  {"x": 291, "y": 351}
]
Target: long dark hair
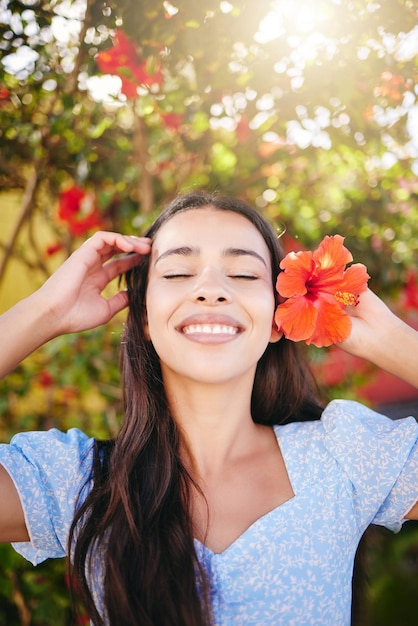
[{"x": 137, "y": 512}]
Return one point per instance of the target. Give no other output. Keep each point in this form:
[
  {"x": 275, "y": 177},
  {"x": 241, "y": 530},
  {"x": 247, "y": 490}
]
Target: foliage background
[{"x": 307, "y": 110}]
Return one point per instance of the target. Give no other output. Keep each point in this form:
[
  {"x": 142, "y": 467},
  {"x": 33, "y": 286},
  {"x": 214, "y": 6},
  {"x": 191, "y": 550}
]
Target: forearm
[
  {"x": 23, "y": 329},
  {"x": 396, "y": 351},
  {"x": 382, "y": 338}
]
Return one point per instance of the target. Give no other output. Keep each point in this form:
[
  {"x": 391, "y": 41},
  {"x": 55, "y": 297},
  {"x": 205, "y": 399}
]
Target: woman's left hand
[{"x": 381, "y": 337}]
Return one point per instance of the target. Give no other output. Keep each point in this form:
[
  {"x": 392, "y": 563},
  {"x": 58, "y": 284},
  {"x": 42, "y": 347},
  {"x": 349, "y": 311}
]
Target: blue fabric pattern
[{"x": 293, "y": 566}]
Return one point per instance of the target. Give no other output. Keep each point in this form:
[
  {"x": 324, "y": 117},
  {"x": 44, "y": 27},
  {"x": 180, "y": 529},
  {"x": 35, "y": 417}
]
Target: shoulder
[
  {"x": 51, "y": 458},
  {"x": 346, "y": 418},
  {"x": 368, "y": 456},
  {"x": 348, "y": 423},
  {"x": 369, "y": 446},
  {"x": 362, "y": 442},
  {"x": 52, "y": 444},
  {"x": 350, "y": 429},
  {"x": 74, "y": 437}
]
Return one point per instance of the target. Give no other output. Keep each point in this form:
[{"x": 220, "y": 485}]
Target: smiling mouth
[{"x": 210, "y": 329}]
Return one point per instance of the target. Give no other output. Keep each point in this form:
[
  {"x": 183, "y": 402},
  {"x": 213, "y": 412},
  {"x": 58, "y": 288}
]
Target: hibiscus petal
[
  {"x": 332, "y": 324},
  {"x": 332, "y": 254},
  {"x": 355, "y": 279},
  {"x": 330, "y": 257},
  {"x": 296, "y": 318},
  {"x": 298, "y": 268}
]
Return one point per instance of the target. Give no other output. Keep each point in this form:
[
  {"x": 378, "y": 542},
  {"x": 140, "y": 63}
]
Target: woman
[{"x": 224, "y": 499}]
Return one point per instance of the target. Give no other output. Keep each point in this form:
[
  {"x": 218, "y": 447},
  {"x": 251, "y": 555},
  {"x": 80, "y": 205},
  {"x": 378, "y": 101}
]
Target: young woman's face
[{"x": 210, "y": 300}]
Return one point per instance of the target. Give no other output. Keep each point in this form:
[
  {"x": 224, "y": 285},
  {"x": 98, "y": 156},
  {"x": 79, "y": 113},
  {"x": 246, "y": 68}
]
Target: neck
[{"x": 215, "y": 421}]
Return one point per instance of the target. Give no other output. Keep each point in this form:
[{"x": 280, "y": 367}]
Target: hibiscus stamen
[{"x": 346, "y": 298}]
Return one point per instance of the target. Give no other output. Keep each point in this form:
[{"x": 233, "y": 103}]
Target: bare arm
[
  {"x": 379, "y": 336},
  {"x": 12, "y": 521},
  {"x": 71, "y": 300}
]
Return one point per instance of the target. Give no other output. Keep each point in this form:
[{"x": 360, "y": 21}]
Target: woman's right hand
[
  {"x": 73, "y": 293},
  {"x": 71, "y": 299}
]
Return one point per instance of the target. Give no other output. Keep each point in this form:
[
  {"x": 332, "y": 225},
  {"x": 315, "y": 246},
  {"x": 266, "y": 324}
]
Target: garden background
[{"x": 306, "y": 109}]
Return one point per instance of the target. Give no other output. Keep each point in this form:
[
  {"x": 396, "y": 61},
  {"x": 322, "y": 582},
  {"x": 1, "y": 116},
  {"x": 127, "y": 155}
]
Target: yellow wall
[{"x": 19, "y": 280}]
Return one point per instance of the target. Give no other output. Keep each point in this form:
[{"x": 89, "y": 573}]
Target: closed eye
[
  {"x": 244, "y": 276},
  {"x": 174, "y": 276}
]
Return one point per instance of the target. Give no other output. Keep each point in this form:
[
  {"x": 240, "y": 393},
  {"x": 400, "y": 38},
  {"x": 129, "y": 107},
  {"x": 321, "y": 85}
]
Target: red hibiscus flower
[
  {"x": 123, "y": 60},
  {"x": 79, "y": 210},
  {"x": 318, "y": 287}
]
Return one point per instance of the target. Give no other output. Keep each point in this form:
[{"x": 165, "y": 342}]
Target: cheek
[
  {"x": 265, "y": 302},
  {"x": 158, "y": 310},
  {"x": 269, "y": 308}
]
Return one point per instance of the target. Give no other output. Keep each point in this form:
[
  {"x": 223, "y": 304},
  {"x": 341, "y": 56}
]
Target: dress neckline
[{"x": 278, "y": 430}]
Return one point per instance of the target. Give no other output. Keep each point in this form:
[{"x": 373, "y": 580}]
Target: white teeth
[{"x": 212, "y": 329}]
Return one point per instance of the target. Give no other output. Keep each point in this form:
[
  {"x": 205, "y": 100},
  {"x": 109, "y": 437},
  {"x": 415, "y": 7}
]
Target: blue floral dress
[{"x": 293, "y": 566}]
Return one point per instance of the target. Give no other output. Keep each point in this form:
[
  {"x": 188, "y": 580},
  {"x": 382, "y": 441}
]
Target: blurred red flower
[
  {"x": 45, "y": 379},
  {"x": 243, "y": 129},
  {"x": 123, "y": 60},
  {"x": 317, "y": 287},
  {"x": 54, "y": 248},
  {"x": 79, "y": 210},
  {"x": 172, "y": 120},
  {"x": 410, "y": 291},
  {"x": 392, "y": 86}
]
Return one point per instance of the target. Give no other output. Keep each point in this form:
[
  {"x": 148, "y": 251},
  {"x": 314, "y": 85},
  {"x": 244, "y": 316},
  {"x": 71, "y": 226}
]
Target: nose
[{"x": 211, "y": 288}]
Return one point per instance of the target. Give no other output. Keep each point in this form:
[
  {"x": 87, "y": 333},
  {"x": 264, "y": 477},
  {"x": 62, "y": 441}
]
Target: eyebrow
[
  {"x": 194, "y": 251},
  {"x": 243, "y": 252},
  {"x": 181, "y": 251}
]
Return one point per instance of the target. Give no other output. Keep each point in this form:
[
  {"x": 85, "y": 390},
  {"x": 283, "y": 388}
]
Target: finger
[
  {"x": 139, "y": 248},
  {"x": 106, "y": 242},
  {"x": 117, "y": 302},
  {"x": 120, "y": 265},
  {"x": 103, "y": 246}
]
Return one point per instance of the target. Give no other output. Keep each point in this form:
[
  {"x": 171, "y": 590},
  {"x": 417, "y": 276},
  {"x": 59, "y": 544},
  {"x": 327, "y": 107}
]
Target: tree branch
[
  {"x": 19, "y": 600},
  {"x": 146, "y": 189},
  {"x": 25, "y": 213},
  {"x": 71, "y": 84}
]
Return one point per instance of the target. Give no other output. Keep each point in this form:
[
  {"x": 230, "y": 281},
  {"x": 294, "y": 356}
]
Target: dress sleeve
[
  {"x": 49, "y": 470},
  {"x": 380, "y": 458}
]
